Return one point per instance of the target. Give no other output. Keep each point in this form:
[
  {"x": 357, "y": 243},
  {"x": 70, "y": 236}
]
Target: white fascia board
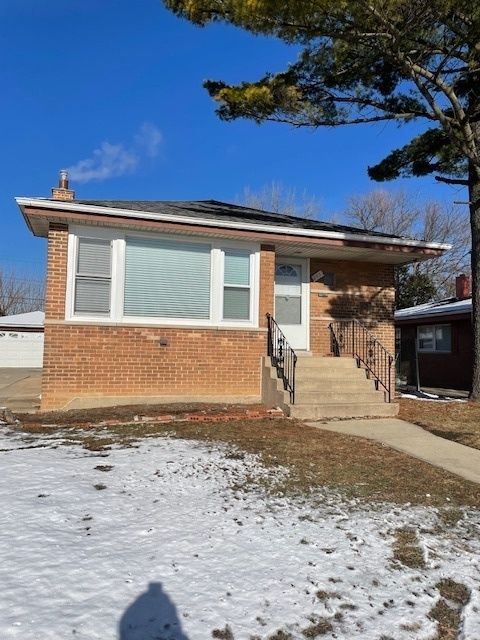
[{"x": 225, "y": 224}]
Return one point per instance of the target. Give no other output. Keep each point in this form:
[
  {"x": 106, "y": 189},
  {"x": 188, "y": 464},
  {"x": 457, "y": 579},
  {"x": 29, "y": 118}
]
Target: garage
[{"x": 21, "y": 340}]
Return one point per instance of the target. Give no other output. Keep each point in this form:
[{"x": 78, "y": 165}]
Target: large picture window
[
  {"x": 93, "y": 276},
  {"x": 167, "y": 279},
  {"x": 435, "y": 338}
]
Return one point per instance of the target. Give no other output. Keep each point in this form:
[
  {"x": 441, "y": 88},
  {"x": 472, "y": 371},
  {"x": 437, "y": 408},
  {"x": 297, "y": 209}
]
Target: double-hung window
[
  {"x": 236, "y": 284},
  {"x": 436, "y": 338},
  {"x": 93, "y": 277}
]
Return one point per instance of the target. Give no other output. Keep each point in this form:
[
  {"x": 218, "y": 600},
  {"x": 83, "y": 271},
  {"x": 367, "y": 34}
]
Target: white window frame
[
  {"x": 119, "y": 237},
  {"x": 252, "y": 278},
  {"x": 80, "y": 276},
  {"x": 434, "y": 327}
]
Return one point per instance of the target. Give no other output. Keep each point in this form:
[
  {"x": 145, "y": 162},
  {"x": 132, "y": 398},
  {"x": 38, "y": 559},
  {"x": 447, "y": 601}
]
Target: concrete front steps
[{"x": 327, "y": 387}]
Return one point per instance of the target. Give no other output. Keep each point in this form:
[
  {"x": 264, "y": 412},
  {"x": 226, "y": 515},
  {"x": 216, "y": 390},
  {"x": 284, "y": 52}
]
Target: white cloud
[
  {"x": 149, "y": 139},
  {"x": 114, "y": 160}
]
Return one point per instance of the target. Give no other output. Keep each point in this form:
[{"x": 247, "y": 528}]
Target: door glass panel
[
  {"x": 288, "y": 279},
  {"x": 288, "y": 309}
]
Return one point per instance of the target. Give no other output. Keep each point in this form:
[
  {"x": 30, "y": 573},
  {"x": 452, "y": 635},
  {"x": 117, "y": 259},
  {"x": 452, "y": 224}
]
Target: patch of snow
[
  {"x": 31, "y": 319},
  {"x": 173, "y": 548},
  {"x": 429, "y": 397}
]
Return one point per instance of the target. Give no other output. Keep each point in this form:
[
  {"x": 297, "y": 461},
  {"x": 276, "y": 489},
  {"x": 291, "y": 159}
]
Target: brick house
[
  {"x": 440, "y": 335},
  {"x": 149, "y": 301}
]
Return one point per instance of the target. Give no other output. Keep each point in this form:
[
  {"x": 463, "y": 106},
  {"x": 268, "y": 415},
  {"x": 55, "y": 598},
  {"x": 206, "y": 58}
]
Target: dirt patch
[
  {"x": 129, "y": 413},
  {"x": 457, "y": 421},
  {"x": 314, "y": 458}
]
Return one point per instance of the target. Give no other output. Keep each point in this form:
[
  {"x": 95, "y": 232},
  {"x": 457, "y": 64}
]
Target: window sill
[
  {"x": 156, "y": 325},
  {"x": 435, "y": 351}
]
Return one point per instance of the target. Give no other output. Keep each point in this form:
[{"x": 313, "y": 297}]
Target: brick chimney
[
  {"x": 463, "y": 287},
  {"x": 62, "y": 192}
]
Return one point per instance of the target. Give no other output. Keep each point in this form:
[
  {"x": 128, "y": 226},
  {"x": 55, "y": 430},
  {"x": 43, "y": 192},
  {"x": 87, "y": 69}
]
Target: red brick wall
[
  {"x": 443, "y": 370},
  {"x": 57, "y": 256},
  {"x": 362, "y": 290},
  {"x": 124, "y": 361},
  {"x": 113, "y": 360},
  {"x": 92, "y": 360},
  {"x": 267, "y": 280}
]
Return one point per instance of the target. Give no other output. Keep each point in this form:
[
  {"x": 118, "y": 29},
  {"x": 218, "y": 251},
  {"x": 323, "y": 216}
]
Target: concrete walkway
[
  {"x": 408, "y": 438},
  {"x": 20, "y": 389}
]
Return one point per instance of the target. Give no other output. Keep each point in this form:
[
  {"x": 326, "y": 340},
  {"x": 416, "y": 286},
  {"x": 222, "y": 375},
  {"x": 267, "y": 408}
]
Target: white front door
[{"x": 291, "y": 300}]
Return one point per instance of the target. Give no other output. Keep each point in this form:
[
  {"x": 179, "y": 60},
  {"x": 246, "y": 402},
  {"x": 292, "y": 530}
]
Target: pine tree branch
[
  {"x": 312, "y": 122},
  {"x": 460, "y": 181}
]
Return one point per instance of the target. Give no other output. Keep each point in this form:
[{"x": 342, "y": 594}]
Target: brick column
[
  {"x": 56, "y": 272},
  {"x": 267, "y": 282}
]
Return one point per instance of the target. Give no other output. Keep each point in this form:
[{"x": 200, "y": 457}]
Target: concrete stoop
[{"x": 326, "y": 388}]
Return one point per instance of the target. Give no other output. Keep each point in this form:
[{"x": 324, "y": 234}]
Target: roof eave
[
  {"x": 435, "y": 315},
  {"x": 124, "y": 213}
]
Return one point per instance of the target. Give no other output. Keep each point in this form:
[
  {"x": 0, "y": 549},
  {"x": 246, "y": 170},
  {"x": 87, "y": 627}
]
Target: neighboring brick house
[
  {"x": 440, "y": 333},
  {"x": 155, "y": 300}
]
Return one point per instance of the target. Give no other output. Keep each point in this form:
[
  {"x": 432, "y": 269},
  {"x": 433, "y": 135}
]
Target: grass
[
  {"x": 318, "y": 628},
  {"x": 406, "y": 549},
  {"x": 314, "y": 458},
  {"x": 323, "y": 596},
  {"x": 451, "y": 590},
  {"x": 457, "y": 421},
  {"x": 447, "y": 611},
  {"x": 223, "y": 634}
]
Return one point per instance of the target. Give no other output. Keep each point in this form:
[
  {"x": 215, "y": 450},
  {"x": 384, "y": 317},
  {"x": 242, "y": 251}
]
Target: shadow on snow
[{"x": 152, "y": 616}]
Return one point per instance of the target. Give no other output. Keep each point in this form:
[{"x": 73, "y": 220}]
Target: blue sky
[{"x": 119, "y": 83}]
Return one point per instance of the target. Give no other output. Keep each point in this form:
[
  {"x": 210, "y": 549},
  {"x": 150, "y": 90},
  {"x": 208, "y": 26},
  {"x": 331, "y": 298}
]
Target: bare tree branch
[
  {"x": 277, "y": 198},
  {"x": 20, "y": 294},
  {"x": 397, "y": 213}
]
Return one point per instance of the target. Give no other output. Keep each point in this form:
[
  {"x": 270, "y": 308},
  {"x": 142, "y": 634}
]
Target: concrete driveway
[{"x": 20, "y": 389}]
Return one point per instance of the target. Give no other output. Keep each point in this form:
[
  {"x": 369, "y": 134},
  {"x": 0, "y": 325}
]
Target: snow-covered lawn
[{"x": 162, "y": 541}]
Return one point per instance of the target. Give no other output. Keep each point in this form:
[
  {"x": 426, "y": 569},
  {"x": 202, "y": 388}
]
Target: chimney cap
[{"x": 63, "y": 192}]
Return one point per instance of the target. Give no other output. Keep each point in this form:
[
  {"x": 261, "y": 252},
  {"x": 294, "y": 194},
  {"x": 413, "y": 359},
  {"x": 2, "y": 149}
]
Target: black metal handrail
[
  {"x": 282, "y": 356},
  {"x": 352, "y": 337}
]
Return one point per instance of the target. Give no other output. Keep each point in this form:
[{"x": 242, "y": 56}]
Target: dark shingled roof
[{"x": 215, "y": 210}]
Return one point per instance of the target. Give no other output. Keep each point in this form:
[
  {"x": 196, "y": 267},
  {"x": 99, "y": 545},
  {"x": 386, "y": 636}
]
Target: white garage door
[{"x": 21, "y": 349}]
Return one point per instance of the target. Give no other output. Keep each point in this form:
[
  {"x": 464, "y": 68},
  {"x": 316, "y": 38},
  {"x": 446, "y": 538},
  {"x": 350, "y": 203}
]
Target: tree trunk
[{"x": 474, "y": 200}]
